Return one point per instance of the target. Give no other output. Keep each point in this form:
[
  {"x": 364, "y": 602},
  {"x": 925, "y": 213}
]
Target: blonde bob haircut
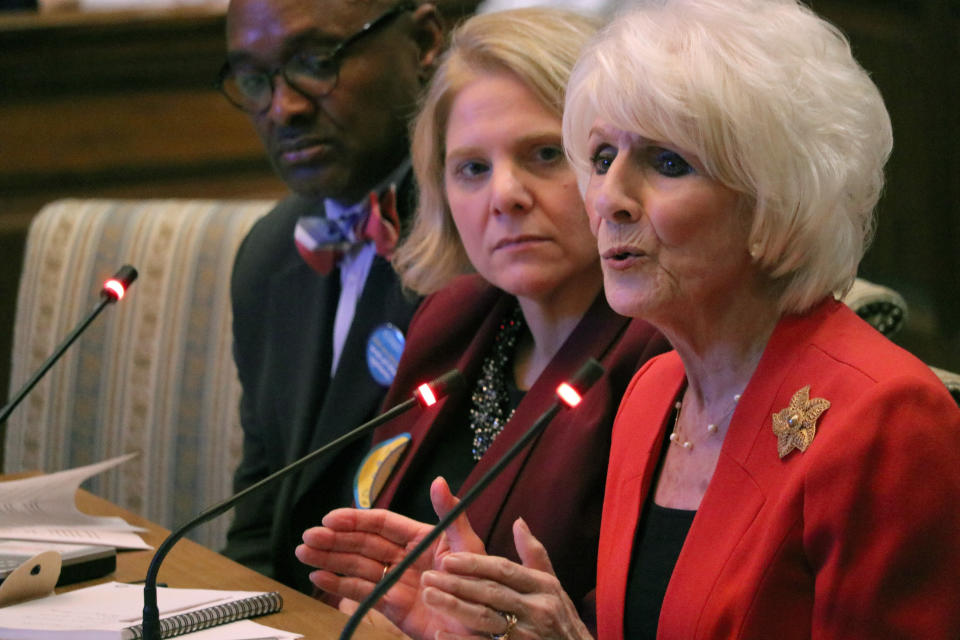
[
  {"x": 537, "y": 45},
  {"x": 770, "y": 99}
]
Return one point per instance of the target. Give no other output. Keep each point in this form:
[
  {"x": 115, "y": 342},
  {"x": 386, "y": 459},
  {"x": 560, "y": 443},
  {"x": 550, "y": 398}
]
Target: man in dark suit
[{"x": 329, "y": 86}]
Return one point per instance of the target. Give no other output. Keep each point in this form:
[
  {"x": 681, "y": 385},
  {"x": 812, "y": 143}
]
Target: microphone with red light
[
  {"x": 112, "y": 291},
  {"x": 116, "y": 287},
  {"x": 569, "y": 395},
  {"x": 426, "y": 395}
]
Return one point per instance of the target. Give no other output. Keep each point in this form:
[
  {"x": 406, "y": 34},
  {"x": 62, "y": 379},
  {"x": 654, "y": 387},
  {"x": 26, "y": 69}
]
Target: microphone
[
  {"x": 112, "y": 291},
  {"x": 426, "y": 395},
  {"x": 569, "y": 395}
]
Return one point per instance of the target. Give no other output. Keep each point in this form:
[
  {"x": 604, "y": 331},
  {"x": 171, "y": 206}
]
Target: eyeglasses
[{"x": 312, "y": 73}]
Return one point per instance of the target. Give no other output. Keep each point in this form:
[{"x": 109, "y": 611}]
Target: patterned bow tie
[{"x": 322, "y": 241}]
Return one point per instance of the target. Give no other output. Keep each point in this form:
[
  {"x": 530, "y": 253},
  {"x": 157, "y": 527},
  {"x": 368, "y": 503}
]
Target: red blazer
[
  {"x": 857, "y": 537},
  {"x": 556, "y": 485}
]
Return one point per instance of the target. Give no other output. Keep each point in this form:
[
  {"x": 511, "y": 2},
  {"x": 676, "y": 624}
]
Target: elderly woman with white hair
[{"x": 786, "y": 472}]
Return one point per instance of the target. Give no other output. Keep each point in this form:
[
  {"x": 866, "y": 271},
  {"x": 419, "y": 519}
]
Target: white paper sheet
[
  {"x": 44, "y": 508},
  {"x": 241, "y": 630}
]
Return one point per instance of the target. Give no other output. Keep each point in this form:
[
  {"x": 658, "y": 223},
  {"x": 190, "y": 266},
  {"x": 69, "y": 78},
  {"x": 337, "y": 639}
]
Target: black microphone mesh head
[
  {"x": 126, "y": 275},
  {"x": 115, "y": 288},
  {"x": 449, "y": 383},
  {"x": 437, "y": 389},
  {"x": 586, "y": 375}
]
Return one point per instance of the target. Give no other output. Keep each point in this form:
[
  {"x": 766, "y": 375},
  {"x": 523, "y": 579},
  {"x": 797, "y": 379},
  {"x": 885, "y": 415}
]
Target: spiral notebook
[{"x": 112, "y": 611}]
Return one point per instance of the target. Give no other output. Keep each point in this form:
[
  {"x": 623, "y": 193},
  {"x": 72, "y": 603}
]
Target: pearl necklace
[{"x": 712, "y": 428}]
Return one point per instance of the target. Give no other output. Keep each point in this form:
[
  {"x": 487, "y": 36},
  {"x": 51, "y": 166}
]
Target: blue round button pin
[{"x": 384, "y": 347}]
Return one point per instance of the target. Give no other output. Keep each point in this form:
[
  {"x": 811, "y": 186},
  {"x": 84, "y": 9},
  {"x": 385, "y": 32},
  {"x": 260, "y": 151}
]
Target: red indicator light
[
  {"x": 426, "y": 394},
  {"x": 114, "y": 289},
  {"x": 569, "y": 395}
]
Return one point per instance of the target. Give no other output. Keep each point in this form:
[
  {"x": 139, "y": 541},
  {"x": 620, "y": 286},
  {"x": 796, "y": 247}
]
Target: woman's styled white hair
[
  {"x": 537, "y": 45},
  {"x": 769, "y": 97}
]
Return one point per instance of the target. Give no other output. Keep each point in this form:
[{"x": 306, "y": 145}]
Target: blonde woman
[{"x": 498, "y": 199}]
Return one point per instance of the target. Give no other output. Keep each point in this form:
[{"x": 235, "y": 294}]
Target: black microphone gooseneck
[
  {"x": 113, "y": 289},
  {"x": 569, "y": 394},
  {"x": 426, "y": 395}
]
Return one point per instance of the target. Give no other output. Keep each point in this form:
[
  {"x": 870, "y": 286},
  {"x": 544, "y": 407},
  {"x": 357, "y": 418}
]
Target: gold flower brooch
[{"x": 796, "y": 425}]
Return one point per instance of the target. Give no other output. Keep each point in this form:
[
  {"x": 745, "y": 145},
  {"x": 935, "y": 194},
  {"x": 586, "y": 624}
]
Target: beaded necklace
[
  {"x": 491, "y": 400},
  {"x": 677, "y": 438}
]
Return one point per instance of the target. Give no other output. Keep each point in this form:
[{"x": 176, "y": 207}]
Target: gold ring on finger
[{"x": 511, "y": 620}]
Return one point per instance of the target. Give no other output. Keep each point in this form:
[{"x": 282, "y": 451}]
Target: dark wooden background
[
  {"x": 912, "y": 50},
  {"x": 122, "y": 105}
]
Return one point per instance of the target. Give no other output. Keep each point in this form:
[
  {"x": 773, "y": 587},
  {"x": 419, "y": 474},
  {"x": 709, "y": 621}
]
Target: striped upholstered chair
[{"x": 154, "y": 373}]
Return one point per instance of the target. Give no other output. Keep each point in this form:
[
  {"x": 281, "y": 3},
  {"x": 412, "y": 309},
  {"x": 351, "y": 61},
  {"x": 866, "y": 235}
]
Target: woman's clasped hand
[
  {"x": 356, "y": 547},
  {"x": 482, "y": 591}
]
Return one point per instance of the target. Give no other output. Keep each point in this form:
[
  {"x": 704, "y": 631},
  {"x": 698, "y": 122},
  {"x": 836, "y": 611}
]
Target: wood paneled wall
[{"x": 911, "y": 50}]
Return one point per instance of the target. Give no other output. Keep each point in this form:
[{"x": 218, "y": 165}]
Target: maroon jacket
[{"x": 556, "y": 485}]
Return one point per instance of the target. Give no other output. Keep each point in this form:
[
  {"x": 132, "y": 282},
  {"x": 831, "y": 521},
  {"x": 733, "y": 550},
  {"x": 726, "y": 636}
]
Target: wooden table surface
[{"x": 192, "y": 565}]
